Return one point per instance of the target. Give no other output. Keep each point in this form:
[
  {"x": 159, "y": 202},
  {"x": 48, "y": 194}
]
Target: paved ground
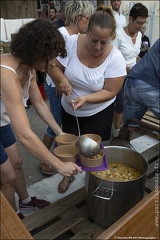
[
  {"x": 45, "y": 187},
  {"x": 32, "y": 171}
]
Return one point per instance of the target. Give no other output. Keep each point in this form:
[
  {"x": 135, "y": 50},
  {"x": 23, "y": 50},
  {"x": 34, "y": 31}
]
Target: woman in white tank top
[{"x": 34, "y": 46}]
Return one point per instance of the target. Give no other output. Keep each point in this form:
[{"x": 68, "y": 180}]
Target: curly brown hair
[
  {"x": 37, "y": 41},
  {"x": 104, "y": 18}
]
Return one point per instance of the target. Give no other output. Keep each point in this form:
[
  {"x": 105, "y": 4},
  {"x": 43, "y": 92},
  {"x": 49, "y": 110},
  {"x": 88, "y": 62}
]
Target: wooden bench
[
  {"x": 11, "y": 226},
  {"x": 150, "y": 119},
  {"x": 67, "y": 218}
]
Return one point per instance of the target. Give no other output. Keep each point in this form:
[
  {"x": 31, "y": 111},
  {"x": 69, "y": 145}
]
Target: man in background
[
  {"x": 120, "y": 18},
  {"x": 52, "y": 14},
  {"x": 60, "y": 22}
]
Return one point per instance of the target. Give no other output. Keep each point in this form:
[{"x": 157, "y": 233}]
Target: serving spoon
[{"x": 87, "y": 146}]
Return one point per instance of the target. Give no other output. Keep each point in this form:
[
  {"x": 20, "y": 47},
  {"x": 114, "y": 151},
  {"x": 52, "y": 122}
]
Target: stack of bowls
[{"x": 66, "y": 149}]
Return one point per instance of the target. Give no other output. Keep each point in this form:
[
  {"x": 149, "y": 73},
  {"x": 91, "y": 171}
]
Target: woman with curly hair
[{"x": 32, "y": 48}]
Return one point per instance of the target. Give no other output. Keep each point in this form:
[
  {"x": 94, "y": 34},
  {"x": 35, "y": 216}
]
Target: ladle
[{"x": 87, "y": 146}]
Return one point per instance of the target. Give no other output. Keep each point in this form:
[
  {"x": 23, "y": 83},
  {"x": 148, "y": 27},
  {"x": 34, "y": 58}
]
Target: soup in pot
[{"x": 118, "y": 172}]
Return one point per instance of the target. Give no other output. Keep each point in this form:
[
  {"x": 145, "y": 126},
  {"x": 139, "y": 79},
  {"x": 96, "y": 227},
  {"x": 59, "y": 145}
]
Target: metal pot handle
[{"x": 103, "y": 189}]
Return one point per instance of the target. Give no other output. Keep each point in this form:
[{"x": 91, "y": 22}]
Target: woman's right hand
[{"x": 65, "y": 88}]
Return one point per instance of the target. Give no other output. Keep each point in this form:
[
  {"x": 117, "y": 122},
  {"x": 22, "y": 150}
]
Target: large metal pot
[{"x": 106, "y": 200}]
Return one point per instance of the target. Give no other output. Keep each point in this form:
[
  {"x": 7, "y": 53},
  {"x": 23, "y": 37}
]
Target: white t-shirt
[
  {"x": 129, "y": 50},
  {"x": 85, "y": 80},
  {"x": 65, "y": 34},
  {"x": 120, "y": 20}
]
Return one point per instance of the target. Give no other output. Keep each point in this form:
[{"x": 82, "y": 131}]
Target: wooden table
[{"x": 11, "y": 226}]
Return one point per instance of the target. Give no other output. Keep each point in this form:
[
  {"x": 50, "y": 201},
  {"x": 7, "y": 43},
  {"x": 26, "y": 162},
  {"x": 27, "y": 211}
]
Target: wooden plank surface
[
  {"x": 62, "y": 225},
  {"x": 91, "y": 231},
  {"x": 151, "y": 153},
  {"x": 11, "y": 225},
  {"x": 149, "y": 117},
  {"x": 52, "y": 211},
  {"x": 152, "y": 120}
]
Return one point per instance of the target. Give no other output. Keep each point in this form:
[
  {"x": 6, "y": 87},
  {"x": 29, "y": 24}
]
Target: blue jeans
[
  {"x": 7, "y": 139},
  {"x": 55, "y": 107},
  {"x": 139, "y": 96}
]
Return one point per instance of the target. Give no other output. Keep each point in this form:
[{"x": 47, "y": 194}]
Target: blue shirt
[
  {"x": 59, "y": 23},
  {"x": 148, "y": 68}
]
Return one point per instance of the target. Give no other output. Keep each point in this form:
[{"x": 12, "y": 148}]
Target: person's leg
[
  {"x": 8, "y": 174},
  {"x": 117, "y": 120},
  {"x": 8, "y": 178},
  {"x": 49, "y": 136},
  {"x": 48, "y": 141},
  {"x": 134, "y": 107},
  {"x": 25, "y": 201},
  {"x": 118, "y": 112},
  {"x": 16, "y": 161},
  {"x": 69, "y": 125},
  {"x": 12, "y": 172}
]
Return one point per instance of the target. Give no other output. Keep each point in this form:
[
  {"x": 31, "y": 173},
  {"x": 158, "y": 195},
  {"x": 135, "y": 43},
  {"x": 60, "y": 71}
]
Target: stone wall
[{"x": 18, "y": 9}]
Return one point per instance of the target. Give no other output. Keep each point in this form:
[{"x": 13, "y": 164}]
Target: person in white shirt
[
  {"x": 120, "y": 23},
  {"x": 120, "y": 18},
  {"x": 128, "y": 41},
  {"x": 90, "y": 77},
  {"x": 77, "y": 17}
]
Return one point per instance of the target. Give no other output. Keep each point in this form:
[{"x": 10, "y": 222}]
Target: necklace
[{"x": 135, "y": 35}]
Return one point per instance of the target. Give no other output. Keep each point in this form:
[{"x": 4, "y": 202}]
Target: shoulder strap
[{"x": 9, "y": 68}]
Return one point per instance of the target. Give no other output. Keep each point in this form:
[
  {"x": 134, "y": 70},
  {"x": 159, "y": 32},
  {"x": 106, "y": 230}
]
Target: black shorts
[{"x": 99, "y": 123}]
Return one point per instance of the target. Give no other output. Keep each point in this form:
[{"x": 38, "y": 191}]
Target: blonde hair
[
  {"x": 104, "y": 18},
  {"x": 77, "y": 7}
]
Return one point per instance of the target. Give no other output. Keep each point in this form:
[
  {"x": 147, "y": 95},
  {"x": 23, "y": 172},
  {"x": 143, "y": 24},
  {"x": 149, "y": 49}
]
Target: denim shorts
[
  {"x": 139, "y": 96},
  {"x": 7, "y": 139},
  {"x": 55, "y": 107}
]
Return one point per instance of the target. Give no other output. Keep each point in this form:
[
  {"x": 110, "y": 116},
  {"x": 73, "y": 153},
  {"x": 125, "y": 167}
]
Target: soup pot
[{"x": 107, "y": 200}]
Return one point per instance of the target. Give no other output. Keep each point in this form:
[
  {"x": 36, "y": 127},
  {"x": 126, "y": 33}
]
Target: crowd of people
[{"x": 118, "y": 79}]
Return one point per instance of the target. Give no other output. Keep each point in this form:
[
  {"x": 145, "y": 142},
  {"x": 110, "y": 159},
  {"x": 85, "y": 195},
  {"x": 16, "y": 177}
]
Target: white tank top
[{"x": 25, "y": 96}]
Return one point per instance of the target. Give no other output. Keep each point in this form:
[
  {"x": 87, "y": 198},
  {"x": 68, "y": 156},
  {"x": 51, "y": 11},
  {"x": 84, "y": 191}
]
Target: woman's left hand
[{"x": 78, "y": 102}]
